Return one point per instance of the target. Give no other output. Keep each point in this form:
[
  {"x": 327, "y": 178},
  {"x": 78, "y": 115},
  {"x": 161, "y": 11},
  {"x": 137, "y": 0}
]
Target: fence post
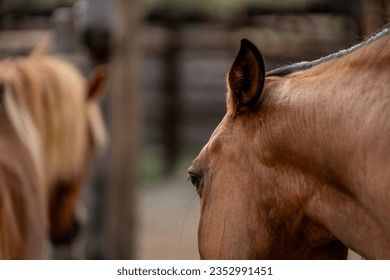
[
  {"x": 373, "y": 14},
  {"x": 125, "y": 125},
  {"x": 171, "y": 103}
]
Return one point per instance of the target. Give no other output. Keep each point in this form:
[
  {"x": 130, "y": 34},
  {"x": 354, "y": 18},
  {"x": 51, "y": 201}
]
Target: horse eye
[{"x": 195, "y": 180}]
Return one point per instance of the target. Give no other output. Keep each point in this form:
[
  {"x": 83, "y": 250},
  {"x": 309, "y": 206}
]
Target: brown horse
[
  {"x": 51, "y": 127},
  {"x": 299, "y": 167}
]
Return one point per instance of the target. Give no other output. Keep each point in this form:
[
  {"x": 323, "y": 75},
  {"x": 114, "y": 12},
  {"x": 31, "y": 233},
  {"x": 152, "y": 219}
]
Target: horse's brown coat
[{"x": 304, "y": 172}]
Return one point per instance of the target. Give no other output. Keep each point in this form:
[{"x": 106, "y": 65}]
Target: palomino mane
[
  {"x": 305, "y": 65},
  {"x": 45, "y": 99},
  {"x": 19, "y": 116}
]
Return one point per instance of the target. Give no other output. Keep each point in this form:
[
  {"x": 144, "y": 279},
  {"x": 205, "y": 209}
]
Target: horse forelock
[
  {"x": 46, "y": 102},
  {"x": 22, "y": 121},
  {"x": 65, "y": 122}
]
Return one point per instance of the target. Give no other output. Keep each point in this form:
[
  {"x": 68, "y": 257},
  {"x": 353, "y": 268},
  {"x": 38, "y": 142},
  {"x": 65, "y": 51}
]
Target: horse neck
[{"x": 332, "y": 127}]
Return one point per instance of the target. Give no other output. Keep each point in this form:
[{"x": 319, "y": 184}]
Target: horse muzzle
[{"x": 68, "y": 236}]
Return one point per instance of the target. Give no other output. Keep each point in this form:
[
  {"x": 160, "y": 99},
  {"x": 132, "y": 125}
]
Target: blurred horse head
[
  {"x": 299, "y": 166},
  {"x": 55, "y": 114}
]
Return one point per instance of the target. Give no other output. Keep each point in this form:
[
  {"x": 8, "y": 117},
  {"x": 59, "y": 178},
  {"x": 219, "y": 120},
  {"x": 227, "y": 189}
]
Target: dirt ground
[{"x": 168, "y": 220}]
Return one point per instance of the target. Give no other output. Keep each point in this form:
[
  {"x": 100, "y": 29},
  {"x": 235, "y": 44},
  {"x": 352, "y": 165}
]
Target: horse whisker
[{"x": 183, "y": 223}]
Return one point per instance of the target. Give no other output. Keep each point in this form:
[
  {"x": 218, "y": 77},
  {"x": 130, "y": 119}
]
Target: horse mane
[
  {"x": 305, "y": 65},
  {"x": 45, "y": 99},
  {"x": 19, "y": 116}
]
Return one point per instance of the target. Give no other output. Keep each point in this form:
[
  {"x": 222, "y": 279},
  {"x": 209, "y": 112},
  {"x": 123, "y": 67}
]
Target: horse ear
[
  {"x": 97, "y": 83},
  {"x": 245, "y": 79}
]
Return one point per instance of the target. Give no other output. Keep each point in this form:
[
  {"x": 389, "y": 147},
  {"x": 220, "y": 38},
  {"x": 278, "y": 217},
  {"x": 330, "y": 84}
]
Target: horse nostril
[{"x": 70, "y": 235}]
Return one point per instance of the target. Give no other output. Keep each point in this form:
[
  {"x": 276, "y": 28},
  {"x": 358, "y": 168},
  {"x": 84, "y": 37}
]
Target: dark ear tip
[
  {"x": 97, "y": 81},
  {"x": 248, "y": 46},
  {"x": 246, "y": 43},
  {"x": 101, "y": 71}
]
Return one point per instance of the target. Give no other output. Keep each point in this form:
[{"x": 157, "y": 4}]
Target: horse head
[
  {"x": 253, "y": 203},
  {"x": 66, "y": 189}
]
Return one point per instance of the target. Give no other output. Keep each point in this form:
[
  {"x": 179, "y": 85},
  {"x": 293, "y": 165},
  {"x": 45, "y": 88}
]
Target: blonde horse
[{"x": 56, "y": 127}]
